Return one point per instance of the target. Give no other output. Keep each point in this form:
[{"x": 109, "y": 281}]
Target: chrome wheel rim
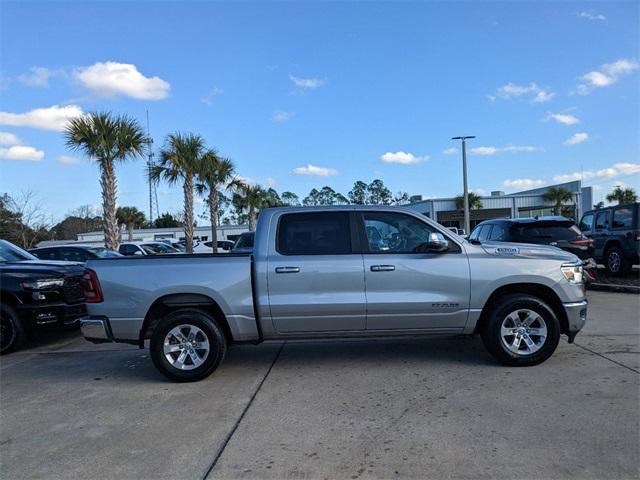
[
  {"x": 186, "y": 347},
  {"x": 523, "y": 332},
  {"x": 613, "y": 261}
]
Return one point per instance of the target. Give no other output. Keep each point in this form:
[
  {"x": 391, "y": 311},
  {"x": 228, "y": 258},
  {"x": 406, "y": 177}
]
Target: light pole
[{"x": 465, "y": 194}]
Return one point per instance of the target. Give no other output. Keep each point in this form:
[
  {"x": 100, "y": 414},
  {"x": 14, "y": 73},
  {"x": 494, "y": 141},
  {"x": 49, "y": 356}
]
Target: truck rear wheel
[
  {"x": 187, "y": 345},
  {"x": 521, "y": 331},
  {"x": 12, "y": 334}
]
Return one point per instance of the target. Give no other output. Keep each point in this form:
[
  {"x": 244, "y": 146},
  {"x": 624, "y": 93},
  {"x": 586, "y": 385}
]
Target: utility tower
[{"x": 153, "y": 193}]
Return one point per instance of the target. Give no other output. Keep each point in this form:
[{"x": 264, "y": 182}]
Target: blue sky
[{"x": 357, "y": 91}]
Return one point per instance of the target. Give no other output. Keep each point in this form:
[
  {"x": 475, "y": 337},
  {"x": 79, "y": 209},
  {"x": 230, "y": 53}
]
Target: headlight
[
  {"x": 43, "y": 283},
  {"x": 573, "y": 273}
]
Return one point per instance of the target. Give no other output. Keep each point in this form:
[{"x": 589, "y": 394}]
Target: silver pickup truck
[{"x": 337, "y": 272}]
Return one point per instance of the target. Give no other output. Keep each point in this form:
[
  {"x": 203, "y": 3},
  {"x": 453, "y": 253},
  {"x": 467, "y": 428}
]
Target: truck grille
[{"x": 73, "y": 291}]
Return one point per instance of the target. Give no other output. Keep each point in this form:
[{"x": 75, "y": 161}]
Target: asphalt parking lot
[{"x": 426, "y": 408}]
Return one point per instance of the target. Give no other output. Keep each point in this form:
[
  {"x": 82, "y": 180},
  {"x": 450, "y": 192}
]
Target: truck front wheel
[
  {"x": 521, "y": 330},
  {"x": 187, "y": 345}
]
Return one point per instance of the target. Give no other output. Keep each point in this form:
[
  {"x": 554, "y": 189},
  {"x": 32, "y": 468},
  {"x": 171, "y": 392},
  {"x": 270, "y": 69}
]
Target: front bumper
[
  {"x": 576, "y": 317},
  {"x": 52, "y": 314},
  {"x": 96, "y": 329}
]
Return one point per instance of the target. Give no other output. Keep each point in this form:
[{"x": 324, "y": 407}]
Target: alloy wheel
[
  {"x": 523, "y": 332},
  {"x": 186, "y": 347}
]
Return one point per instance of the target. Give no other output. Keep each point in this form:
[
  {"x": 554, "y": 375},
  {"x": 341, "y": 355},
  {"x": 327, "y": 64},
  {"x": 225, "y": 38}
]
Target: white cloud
[
  {"x": 591, "y": 16},
  {"x": 478, "y": 191},
  {"x": 615, "y": 170},
  {"x": 315, "y": 171},
  {"x": 21, "y": 152},
  {"x": 450, "y": 151},
  {"x": 403, "y": 158},
  {"x": 109, "y": 79},
  {"x": 270, "y": 182},
  {"x": 532, "y": 91},
  {"x": 508, "y": 149},
  {"x": 563, "y": 118},
  {"x": 306, "y": 83},
  {"x": 522, "y": 183},
  {"x": 39, "y": 77},
  {"x": 209, "y": 98},
  {"x": 67, "y": 160},
  {"x": 53, "y": 118},
  {"x": 577, "y": 138},
  {"x": 607, "y": 75},
  {"x": 7, "y": 138},
  {"x": 281, "y": 116}
]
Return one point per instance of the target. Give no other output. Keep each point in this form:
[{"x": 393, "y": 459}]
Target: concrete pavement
[{"x": 437, "y": 408}]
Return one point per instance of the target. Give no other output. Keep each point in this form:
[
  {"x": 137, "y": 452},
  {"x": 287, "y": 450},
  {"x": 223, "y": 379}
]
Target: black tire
[
  {"x": 12, "y": 333},
  {"x": 207, "y": 325},
  {"x": 511, "y": 304},
  {"x": 616, "y": 262}
]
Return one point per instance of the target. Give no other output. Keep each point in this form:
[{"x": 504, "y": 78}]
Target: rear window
[
  {"x": 622, "y": 218},
  {"x": 314, "y": 234},
  {"x": 545, "y": 233}
]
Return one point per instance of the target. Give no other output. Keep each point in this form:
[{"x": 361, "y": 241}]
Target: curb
[{"x": 607, "y": 287}]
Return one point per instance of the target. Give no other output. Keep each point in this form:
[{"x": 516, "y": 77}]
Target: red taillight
[
  {"x": 582, "y": 241},
  {"x": 92, "y": 290}
]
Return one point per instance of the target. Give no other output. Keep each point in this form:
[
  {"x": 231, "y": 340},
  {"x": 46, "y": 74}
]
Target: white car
[{"x": 146, "y": 248}]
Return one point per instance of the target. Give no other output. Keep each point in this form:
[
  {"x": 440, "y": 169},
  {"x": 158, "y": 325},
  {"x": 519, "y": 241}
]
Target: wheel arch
[
  {"x": 176, "y": 301},
  {"x": 537, "y": 290}
]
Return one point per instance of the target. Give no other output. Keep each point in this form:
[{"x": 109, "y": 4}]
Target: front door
[
  {"x": 406, "y": 286},
  {"x": 315, "y": 280}
]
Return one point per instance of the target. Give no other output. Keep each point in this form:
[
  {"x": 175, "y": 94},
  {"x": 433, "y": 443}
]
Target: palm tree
[
  {"x": 214, "y": 175},
  {"x": 251, "y": 197},
  {"x": 179, "y": 160},
  {"x": 131, "y": 217},
  {"x": 107, "y": 139},
  {"x": 558, "y": 196},
  {"x": 475, "y": 202},
  {"x": 622, "y": 195}
]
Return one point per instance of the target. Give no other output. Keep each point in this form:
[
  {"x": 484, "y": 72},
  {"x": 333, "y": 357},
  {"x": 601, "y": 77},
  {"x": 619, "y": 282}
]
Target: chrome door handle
[
  {"x": 287, "y": 269},
  {"x": 382, "y": 268}
]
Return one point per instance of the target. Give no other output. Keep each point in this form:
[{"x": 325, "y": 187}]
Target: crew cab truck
[{"x": 337, "y": 272}]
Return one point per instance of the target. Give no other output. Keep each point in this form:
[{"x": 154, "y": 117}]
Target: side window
[
  {"x": 389, "y": 232},
  {"x": 586, "y": 224},
  {"x": 318, "y": 233},
  {"x": 602, "y": 220},
  {"x": 475, "y": 233},
  {"x": 73, "y": 255},
  {"x": 622, "y": 218},
  {"x": 484, "y": 233},
  {"x": 498, "y": 233},
  {"x": 47, "y": 254},
  {"x": 128, "y": 249}
]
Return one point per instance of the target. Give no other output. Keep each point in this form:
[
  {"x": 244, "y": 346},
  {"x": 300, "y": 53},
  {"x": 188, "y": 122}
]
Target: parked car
[
  {"x": 306, "y": 279},
  {"x": 221, "y": 245},
  {"x": 244, "y": 243},
  {"x": 36, "y": 293},
  {"x": 174, "y": 243},
  {"x": 559, "y": 232},
  {"x": 72, "y": 253},
  {"x": 616, "y": 235},
  {"x": 146, "y": 248}
]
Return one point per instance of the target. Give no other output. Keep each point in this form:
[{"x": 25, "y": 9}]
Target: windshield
[
  {"x": 103, "y": 252},
  {"x": 244, "y": 241},
  {"x": 11, "y": 253},
  {"x": 152, "y": 248}
]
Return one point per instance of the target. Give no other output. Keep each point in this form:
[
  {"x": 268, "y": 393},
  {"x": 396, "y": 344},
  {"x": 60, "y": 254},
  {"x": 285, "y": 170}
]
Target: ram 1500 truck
[{"x": 337, "y": 272}]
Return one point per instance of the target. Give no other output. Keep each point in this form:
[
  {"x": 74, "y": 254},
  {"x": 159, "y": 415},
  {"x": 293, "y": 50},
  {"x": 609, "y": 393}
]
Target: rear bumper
[
  {"x": 96, "y": 329},
  {"x": 51, "y": 314},
  {"x": 576, "y": 317}
]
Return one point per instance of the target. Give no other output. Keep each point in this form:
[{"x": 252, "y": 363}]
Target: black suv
[
  {"x": 35, "y": 294},
  {"x": 72, "y": 253},
  {"x": 616, "y": 235},
  {"x": 556, "y": 231}
]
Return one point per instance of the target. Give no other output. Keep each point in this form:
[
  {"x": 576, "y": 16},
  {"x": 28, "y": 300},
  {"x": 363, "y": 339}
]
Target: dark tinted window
[
  {"x": 586, "y": 223},
  {"x": 602, "y": 220},
  {"x": 73, "y": 255},
  {"x": 622, "y": 218},
  {"x": 499, "y": 233},
  {"x": 47, "y": 254},
  {"x": 128, "y": 249},
  {"x": 322, "y": 233},
  {"x": 484, "y": 232},
  {"x": 545, "y": 233}
]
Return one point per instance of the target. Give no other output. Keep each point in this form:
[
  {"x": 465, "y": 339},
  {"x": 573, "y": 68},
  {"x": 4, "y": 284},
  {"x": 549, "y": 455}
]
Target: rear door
[
  {"x": 406, "y": 287},
  {"x": 601, "y": 231},
  {"x": 315, "y": 276}
]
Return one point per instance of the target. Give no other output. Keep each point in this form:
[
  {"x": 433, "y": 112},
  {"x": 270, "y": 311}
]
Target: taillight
[
  {"x": 92, "y": 290},
  {"x": 638, "y": 235},
  {"x": 582, "y": 241}
]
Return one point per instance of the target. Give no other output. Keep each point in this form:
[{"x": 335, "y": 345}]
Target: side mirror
[{"x": 437, "y": 242}]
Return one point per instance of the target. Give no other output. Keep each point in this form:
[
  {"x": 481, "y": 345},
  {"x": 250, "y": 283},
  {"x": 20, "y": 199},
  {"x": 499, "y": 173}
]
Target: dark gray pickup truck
[{"x": 337, "y": 272}]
